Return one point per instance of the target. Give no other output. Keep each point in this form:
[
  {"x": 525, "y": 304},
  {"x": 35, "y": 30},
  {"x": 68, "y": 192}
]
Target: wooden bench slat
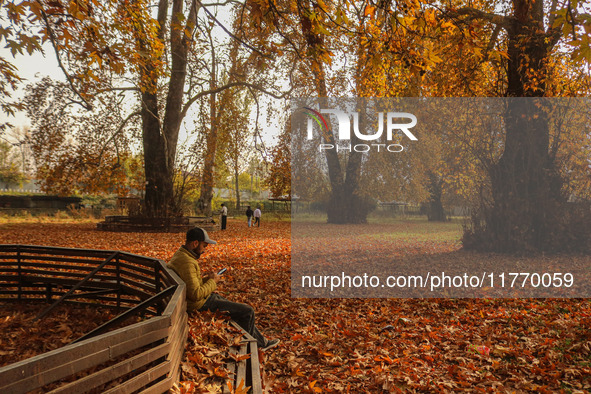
[
  {"x": 141, "y": 380},
  {"x": 47, "y": 361},
  {"x": 232, "y": 368},
  {"x": 256, "y": 382}
]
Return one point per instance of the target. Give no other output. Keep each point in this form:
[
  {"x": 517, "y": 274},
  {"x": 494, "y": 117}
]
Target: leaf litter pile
[
  {"x": 360, "y": 345},
  {"x": 22, "y": 337}
]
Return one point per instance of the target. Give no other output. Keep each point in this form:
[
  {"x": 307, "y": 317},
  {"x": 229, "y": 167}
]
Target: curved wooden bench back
[{"x": 142, "y": 356}]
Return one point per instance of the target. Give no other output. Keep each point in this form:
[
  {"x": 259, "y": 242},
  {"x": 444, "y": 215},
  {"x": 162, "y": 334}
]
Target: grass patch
[{"x": 60, "y": 217}]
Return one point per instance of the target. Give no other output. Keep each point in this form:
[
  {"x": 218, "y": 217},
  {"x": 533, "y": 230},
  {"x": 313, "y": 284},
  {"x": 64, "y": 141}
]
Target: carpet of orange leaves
[{"x": 353, "y": 345}]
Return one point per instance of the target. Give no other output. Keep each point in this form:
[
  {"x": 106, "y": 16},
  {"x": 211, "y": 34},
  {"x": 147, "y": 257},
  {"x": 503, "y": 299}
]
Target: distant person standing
[
  {"x": 257, "y": 217},
  {"x": 249, "y": 214},
  {"x": 224, "y": 216}
]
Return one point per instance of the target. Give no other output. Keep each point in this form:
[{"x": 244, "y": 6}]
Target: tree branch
[
  {"x": 233, "y": 35},
  {"x": 552, "y": 13},
  {"x": 227, "y": 86},
  {"x": 471, "y": 14},
  {"x": 121, "y": 126},
  {"x": 85, "y": 104},
  {"x": 222, "y": 4}
]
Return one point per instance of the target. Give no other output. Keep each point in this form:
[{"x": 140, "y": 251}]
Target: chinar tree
[
  {"x": 528, "y": 209},
  {"x": 144, "y": 50}
]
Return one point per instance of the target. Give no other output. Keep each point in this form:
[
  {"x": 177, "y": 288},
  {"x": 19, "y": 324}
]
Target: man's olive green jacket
[{"x": 184, "y": 263}]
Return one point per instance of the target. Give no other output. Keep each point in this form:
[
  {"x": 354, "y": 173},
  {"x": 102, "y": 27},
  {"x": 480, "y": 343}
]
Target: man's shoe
[{"x": 270, "y": 344}]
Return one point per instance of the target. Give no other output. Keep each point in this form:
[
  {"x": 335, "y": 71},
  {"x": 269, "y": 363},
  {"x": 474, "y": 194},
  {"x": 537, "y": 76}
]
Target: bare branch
[
  {"x": 116, "y": 89},
  {"x": 85, "y": 104},
  {"x": 222, "y": 4},
  {"x": 228, "y": 86},
  {"x": 121, "y": 126},
  {"x": 233, "y": 35}
]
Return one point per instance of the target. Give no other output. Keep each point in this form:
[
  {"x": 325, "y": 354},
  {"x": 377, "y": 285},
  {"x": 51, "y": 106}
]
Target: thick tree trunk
[
  {"x": 344, "y": 206},
  {"x": 525, "y": 186},
  {"x": 160, "y": 140},
  {"x": 526, "y": 192},
  {"x": 158, "y": 192},
  {"x": 435, "y": 209}
]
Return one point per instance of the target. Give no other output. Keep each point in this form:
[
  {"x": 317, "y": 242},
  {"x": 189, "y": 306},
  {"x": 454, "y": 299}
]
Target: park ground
[{"x": 360, "y": 345}]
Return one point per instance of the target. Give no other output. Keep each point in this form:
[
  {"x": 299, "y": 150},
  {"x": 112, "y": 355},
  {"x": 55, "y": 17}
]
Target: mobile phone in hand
[{"x": 221, "y": 272}]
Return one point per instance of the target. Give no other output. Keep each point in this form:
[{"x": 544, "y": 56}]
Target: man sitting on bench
[{"x": 200, "y": 290}]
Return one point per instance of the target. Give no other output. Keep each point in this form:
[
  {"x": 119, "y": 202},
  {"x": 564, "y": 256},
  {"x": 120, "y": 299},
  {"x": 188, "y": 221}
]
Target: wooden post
[
  {"x": 48, "y": 294},
  {"x": 157, "y": 285},
  {"x": 20, "y": 274},
  {"x": 118, "y": 268}
]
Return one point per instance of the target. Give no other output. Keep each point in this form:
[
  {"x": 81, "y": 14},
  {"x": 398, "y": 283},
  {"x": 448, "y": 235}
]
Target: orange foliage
[{"x": 354, "y": 345}]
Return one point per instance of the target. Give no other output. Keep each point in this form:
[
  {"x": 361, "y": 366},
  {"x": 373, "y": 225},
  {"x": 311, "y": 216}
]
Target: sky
[{"x": 31, "y": 68}]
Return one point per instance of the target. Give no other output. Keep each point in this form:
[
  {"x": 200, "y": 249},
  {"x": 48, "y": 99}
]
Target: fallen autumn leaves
[{"x": 353, "y": 345}]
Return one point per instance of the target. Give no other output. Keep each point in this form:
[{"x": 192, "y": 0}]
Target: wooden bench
[
  {"x": 138, "y": 357},
  {"x": 156, "y": 224},
  {"x": 246, "y": 372}
]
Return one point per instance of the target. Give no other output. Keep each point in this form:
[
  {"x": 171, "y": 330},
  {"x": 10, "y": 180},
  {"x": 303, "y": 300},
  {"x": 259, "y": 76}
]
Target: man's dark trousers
[{"x": 241, "y": 313}]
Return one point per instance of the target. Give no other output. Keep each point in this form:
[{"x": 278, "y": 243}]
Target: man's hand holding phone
[{"x": 216, "y": 276}]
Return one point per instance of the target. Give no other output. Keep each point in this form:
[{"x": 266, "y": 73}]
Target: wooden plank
[
  {"x": 47, "y": 361},
  {"x": 148, "y": 272},
  {"x": 176, "y": 354},
  {"x": 241, "y": 366},
  {"x": 131, "y": 283},
  {"x": 127, "y": 314},
  {"x": 254, "y": 373},
  {"x": 29, "y": 259},
  {"x": 64, "y": 274},
  {"x": 175, "y": 357},
  {"x": 173, "y": 275},
  {"x": 181, "y": 310},
  {"x": 145, "y": 261},
  {"x": 65, "y": 251},
  {"x": 180, "y": 338},
  {"x": 246, "y": 335},
  {"x": 108, "y": 284},
  {"x": 176, "y": 303},
  {"x": 113, "y": 372},
  {"x": 130, "y": 274},
  {"x": 130, "y": 291},
  {"x": 124, "y": 367},
  {"x": 231, "y": 366},
  {"x": 59, "y": 251},
  {"x": 161, "y": 387},
  {"x": 24, "y": 292},
  {"x": 255, "y": 366},
  {"x": 40, "y": 296},
  {"x": 81, "y": 363},
  {"x": 141, "y": 380},
  {"x": 37, "y": 299},
  {"x": 169, "y": 275}
]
